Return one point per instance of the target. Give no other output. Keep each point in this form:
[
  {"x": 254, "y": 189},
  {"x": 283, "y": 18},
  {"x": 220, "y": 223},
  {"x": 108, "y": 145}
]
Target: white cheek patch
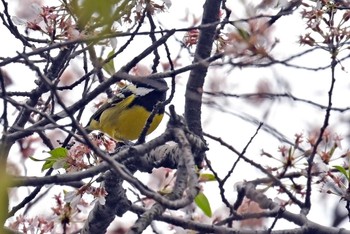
[
  {"x": 139, "y": 91},
  {"x": 142, "y": 91}
]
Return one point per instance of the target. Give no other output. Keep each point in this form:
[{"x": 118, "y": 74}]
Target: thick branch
[
  {"x": 197, "y": 76},
  {"x": 116, "y": 204}
]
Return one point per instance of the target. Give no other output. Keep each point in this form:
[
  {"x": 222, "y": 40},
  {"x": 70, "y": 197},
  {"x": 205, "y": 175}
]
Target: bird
[{"x": 125, "y": 115}]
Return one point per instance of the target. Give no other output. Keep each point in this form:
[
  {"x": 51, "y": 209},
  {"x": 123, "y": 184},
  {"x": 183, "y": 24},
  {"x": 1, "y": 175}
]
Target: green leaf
[
  {"x": 59, "y": 152},
  {"x": 109, "y": 67},
  {"x": 91, "y": 9},
  {"x": 206, "y": 177},
  {"x": 202, "y": 202},
  {"x": 47, "y": 165},
  {"x": 342, "y": 170},
  {"x": 57, "y": 155}
]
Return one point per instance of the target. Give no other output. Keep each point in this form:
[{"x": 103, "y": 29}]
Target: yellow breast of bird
[{"x": 126, "y": 123}]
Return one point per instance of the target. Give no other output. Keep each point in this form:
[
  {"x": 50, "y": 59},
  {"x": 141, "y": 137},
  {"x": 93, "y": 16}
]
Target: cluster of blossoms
[
  {"x": 293, "y": 161},
  {"x": 50, "y": 20},
  {"x": 74, "y": 21},
  {"x": 327, "y": 24},
  {"x": 68, "y": 213},
  {"x": 62, "y": 217}
]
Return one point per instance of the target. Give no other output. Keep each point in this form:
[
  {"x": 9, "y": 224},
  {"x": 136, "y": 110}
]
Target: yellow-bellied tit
[{"x": 126, "y": 114}]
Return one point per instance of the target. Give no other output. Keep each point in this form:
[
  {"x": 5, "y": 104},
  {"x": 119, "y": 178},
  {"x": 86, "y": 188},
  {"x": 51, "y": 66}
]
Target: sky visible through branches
[{"x": 290, "y": 97}]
